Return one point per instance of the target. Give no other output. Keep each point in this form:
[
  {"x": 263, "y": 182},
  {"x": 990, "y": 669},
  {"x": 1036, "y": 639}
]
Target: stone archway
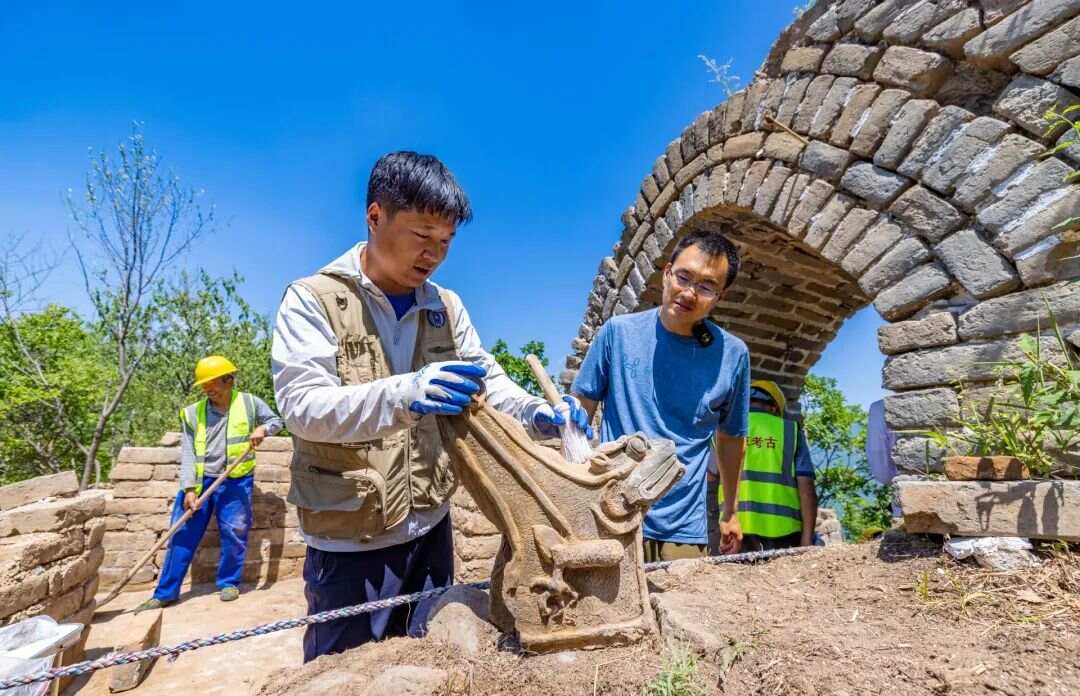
[{"x": 887, "y": 152}]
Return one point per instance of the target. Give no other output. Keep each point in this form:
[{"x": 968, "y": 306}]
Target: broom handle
[
  {"x": 176, "y": 527},
  {"x": 544, "y": 379}
]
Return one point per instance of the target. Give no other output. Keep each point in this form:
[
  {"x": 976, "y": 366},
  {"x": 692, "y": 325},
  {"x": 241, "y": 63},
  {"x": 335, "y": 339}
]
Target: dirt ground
[{"x": 891, "y": 616}]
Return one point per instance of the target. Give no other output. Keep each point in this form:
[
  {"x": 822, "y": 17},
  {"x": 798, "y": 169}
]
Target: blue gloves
[
  {"x": 547, "y": 420},
  {"x": 444, "y": 388}
]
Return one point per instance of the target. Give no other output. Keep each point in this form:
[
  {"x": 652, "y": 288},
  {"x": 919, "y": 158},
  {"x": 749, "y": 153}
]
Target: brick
[
  {"x": 649, "y": 189},
  {"x": 945, "y": 127},
  {"x": 920, "y": 72},
  {"x": 894, "y": 265},
  {"x": 966, "y": 362},
  {"x": 805, "y": 59},
  {"x": 996, "y": 10},
  {"x": 824, "y": 160},
  {"x": 993, "y": 167},
  {"x": 994, "y": 46},
  {"x": 1027, "y": 99},
  {"x": 906, "y": 127},
  {"x": 852, "y": 60},
  {"x": 172, "y": 439},
  {"x": 950, "y": 36},
  {"x": 1030, "y": 509},
  {"x": 695, "y": 139},
  {"x": 981, "y": 270},
  {"x": 132, "y": 632},
  {"x": 926, "y": 214},
  {"x": 878, "y": 187},
  {"x": 32, "y": 490},
  {"x": 922, "y": 410},
  {"x": 870, "y": 130},
  {"x": 52, "y": 515},
  {"x": 1021, "y": 312},
  {"x": 673, "y": 154},
  {"x": 938, "y": 329},
  {"x": 916, "y": 20},
  {"x": 878, "y": 239},
  {"x": 913, "y": 292}
]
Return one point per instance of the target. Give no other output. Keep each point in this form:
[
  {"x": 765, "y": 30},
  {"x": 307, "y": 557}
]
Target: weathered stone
[
  {"x": 870, "y": 26},
  {"x": 650, "y": 189},
  {"x": 822, "y": 224},
  {"x": 770, "y": 190},
  {"x": 745, "y": 145},
  {"x": 130, "y": 632},
  {"x": 870, "y": 130},
  {"x": 994, "y": 46},
  {"x": 1028, "y": 193},
  {"x": 878, "y": 239},
  {"x": 1021, "y": 312},
  {"x": 1027, "y": 99},
  {"x": 695, "y": 139},
  {"x": 950, "y": 36},
  {"x": 802, "y": 59},
  {"x": 906, "y": 127},
  {"x": 927, "y": 215},
  {"x": 997, "y": 468},
  {"x": 1031, "y": 509},
  {"x": 915, "y": 70},
  {"x": 679, "y": 617},
  {"x": 993, "y": 167},
  {"x": 894, "y": 265},
  {"x": 32, "y": 490},
  {"x": 146, "y": 489},
  {"x": 132, "y": 472},
  {"x": 789, "y": 198},
  {"x": 954, "y": 158},
  {"x": 996, "y": 10},
  {"x": 917, "y": 19},
  {"x": 856, "y": 110},
  {"x": 811, "y": 102},
  {"x": 149, "y": 455},
  {"x": 171, "y": 439},
  {"x": 824, "y": 160},
  {"x": 783, "y": 146},
  {"x": 26, "y": 592},
  {"x": 1068, "y": 73},
  {"x": 755, "y": 175},
  {"x": 1052, "y": 259},
  {"x": 981, "y": 270},
  {"x": 825, "y": 28},
  {"x": 847, "y": 233},
  {"x": 813, "y": 198},
  {"x": 878, "y": 187},
  {"x": 28, "y": 551},
  {"x": 944, "y": 128},
  {"x": 137, "y": 506},
  {"x": 463, "y": 623},
  {"x": 913, "y": 292},
  {"x": 733, "y": 122},
  {"x": 923, "y": 409},
  {"x": 716, "y": 124},
  {"x": 52, "y": 515},
  {"x": 938, "y": 329},
  {"x": 1043, "y": 56},
  {"x": 409, "y": 680},
  {"x": 829, "y": 111},
  {"x": 673, "y": 154},
  {"x": 967, "y": 362},
  {"x": 792, "y": 99},
  {"x": 852, "y": 60}
]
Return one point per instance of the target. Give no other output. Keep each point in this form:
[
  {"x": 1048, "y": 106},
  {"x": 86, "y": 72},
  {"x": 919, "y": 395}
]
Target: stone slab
[
  {"x": 134, "y": 632},
  {"x": 52, "y": 515},
  {"x": 32, "y": 490},
  {"x": 985, "y": 469},
  {"x": 1032, "y": 509},
  {"x": 938, "y": 329}
]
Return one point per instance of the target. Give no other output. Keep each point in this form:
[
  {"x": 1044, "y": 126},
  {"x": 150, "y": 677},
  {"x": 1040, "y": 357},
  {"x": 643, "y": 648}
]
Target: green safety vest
[
  {"x": 238, "y": 429},
  {"x": 768, "y": 491}
]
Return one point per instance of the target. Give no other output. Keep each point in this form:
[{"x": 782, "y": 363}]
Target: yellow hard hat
[
  {"x": 212, "y": 367},
  {"x": 772, "y": 389}
]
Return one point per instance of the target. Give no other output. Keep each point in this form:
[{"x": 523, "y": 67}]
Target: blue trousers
[
  {"x": 231, "y": 502},
  {"x": 333, "y": 580}
]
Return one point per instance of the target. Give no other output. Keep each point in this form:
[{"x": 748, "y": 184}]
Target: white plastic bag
[
  {"x": 30, "y": 646},
  {"x": 995, "y": 553}
]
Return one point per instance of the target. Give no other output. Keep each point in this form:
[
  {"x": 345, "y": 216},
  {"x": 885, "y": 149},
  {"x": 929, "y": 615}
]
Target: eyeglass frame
[{"x": 704, "y": 292}]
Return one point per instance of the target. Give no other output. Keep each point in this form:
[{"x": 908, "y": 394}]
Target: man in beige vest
[{"x": 367, "y": 353}]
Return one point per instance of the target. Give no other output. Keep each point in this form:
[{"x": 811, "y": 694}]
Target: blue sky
[{"x": 549, "y": 115}]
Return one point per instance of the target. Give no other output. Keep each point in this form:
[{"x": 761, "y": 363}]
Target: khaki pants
[{"x": 671, "y": 550}]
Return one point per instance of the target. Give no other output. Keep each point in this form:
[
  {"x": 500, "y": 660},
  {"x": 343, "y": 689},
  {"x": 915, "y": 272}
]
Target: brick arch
[{"x": 887, "y": 152}]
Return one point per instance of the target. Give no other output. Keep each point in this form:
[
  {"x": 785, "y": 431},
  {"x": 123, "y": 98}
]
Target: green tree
[
  {"x": 515, "y": 366},
  {"x": 836, "y": 431}
]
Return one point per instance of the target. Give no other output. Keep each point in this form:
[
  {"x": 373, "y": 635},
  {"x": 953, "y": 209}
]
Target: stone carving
[{"x": 570, "y": 573}]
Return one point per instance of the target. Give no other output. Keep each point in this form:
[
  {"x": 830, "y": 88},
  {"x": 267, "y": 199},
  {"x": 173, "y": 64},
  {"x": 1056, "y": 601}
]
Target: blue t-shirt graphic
[{"x": 669, "y": 386}]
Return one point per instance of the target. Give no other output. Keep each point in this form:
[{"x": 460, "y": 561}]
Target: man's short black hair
[
  {"x": 713, "y": 244},
  {"x": 410, "y": 181}
]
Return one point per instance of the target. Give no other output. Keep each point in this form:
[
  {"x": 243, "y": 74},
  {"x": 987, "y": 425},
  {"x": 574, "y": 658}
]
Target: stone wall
[
  {"x": 886, "y": 152},
  {"x": 50, "y": 552}
]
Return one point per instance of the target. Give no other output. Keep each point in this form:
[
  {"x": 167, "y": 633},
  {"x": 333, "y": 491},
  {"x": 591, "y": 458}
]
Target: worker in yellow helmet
[
  {"x": 777, "y": 499},
  {"x": 215, "y": 431}
]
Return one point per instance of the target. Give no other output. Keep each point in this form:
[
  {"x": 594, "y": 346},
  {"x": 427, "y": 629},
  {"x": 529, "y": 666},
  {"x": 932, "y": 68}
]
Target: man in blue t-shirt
[{"x": 671, "y": 373}]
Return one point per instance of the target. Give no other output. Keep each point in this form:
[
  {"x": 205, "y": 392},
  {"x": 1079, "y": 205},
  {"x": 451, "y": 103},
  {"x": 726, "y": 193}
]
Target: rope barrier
[{"x": 114, "y": 660}]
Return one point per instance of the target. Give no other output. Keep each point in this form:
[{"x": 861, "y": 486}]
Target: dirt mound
[{"x": 892, "y": 616}]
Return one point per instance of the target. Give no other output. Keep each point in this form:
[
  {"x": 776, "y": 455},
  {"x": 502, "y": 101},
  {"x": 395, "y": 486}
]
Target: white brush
[{"x": 575, "y": 445}]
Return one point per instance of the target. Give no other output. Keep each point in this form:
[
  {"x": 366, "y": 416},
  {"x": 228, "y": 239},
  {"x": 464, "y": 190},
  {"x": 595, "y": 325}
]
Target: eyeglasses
[{"x": 706, "y": 291}]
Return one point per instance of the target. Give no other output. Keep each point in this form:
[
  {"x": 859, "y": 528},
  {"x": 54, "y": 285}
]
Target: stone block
[
  {"x": 998, "y": 468},
  {"x": 95, "y": 532},
  {"x": 811, "y": 102},
  {"x": 915, "y": 21},
  {"x": 462, "y": 621},
  {"x": 32, "y": 490},
  {"x": 733, "y": 113},
  {"x": 855, "y": 112},
  {"x": 16, "y": 595},
  {"x": 132, "y": 472},
  {"x": 878, "y": 187},
  {"x": 52, "y": 515},
  {"x": 917, "y": 455},
  {"x": 755, "y": 176},
  {"x": 28, "y": 551},
  {"x": 745, "y": 145},
  {"x": 920, "y": 72},
  {"x": 139, "y": 506},
  {"x": 870, "y": 130},
  {"x": 922, "y": 410},
  {"x": 949, "y": 36},
  {"x": 145, "y": 489},
  {"x": 149, "y": 455},
  {"x": 824, "y": 160},
  {"x": 878, "y": 239},
  {"x": 1068, "y": 73},
  {"x": 1044, "y": 55},
  {"x": 783, "y": 146},
  {"x": 129, "y": 633},
  {"x": 850, "y": 229},
  {"x": 823, "y": 224},
  {"x": 789, "y": 197},
  {"x": 169, "y": 439},
  {"x": 967, "y": 362},
  {"x": 996, "y": 10},
  {"x": 1031, "y": 509},
  {"x": 1032, "y": 223},
  {"x": 831, "y": 107},
  {"x": 982, "y": 271},
  {"x": 814, "y": 197},
  {"x": 910, "y": 294},
  {"x": 673, "y": 154},
  {"x": 690, "y": 170},
  {"x": 938, "y": 329},
  {"x": 959, "y": 158},
  {"x": 171, "y": 472},
  {"x": 678, "y": 615},
  {"x": 870, "y": 26},
  {"x": 852, "y": 60},
  {"x": 994, "y": 46},
  {"x": 926, "y": 214},
  {"x": 792, "y": 99},
  {"x": 770, "y": 189},
  {"x": 944, "y": 128},
  {"x": 1048, "y": 261},
  {"x": 480, "y": 547},
  {"x": 1021, "y": 312},
  {"x": 906, "y": 127},
  {"x": 1027, "y": 98},
  {"x": 802, "y": 59}
]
